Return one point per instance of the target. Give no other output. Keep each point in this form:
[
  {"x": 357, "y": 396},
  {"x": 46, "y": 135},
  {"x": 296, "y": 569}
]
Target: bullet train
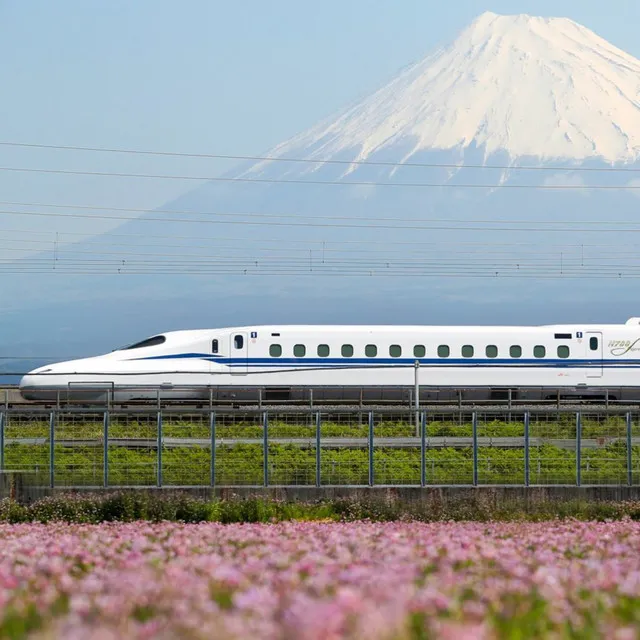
[{"x": 580, "y": 360}]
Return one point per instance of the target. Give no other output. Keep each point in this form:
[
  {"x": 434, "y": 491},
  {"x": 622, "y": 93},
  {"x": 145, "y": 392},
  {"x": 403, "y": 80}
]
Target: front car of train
[{"x": 178, "y": 364}]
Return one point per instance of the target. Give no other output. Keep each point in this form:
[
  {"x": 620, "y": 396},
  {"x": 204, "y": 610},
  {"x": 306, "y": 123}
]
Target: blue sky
[{"x": 208, "y": 76}]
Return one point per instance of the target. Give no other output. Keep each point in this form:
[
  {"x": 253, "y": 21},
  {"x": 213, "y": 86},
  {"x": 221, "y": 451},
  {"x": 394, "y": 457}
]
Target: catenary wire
[
  {"x": 373, "y": 163},
  {"x": 113, "y": 174},
  {"x": 316, "y": 225},
  {"x": 298, "y": 216}
]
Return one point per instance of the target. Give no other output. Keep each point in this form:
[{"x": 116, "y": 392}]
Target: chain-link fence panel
[
  {"x": 292, "y": 449},
  {"x": 501, "y": 454},
  {"x": 186, "y": 449},
  {"x": 449, "y": 449},
  {"x": 239, "y": 451},
  {"x": 132, "y": 450},
  {"x": 27, "y": 446},
  {"x": 396, "y": 448},
  {"x": 344, "y": 455},
  {"x": 552, "y": 449},
  {"x": 79, "y": 449},
  {"x": 603, "y": 449}
]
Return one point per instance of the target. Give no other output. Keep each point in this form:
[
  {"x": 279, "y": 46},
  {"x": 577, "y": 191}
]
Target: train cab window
[
  {"x": 491, "y": 351},
  {"x": 214, "y": 346},
  {"x": 323, "y": 350},
  {"x": 371, "y": 351},
  {"x": 395, "y": 350},
  {"x": 419, "y": 351},
  {"x": 563, "y": 351},
  {"x": 539, "y": 351},
  {"x": 515, "y": 351},
  {"x": 467, "y": 351},
  {"x": 444, "y": 351},
  {"x": 347, "y": 351},
  {"x": 275, "y": 350},
  {"x": 149, "y": 342},
  {"x": 299, "y": 351},
  {"x": 238, "y": 341},
  {"x": 593, "y": 344}
]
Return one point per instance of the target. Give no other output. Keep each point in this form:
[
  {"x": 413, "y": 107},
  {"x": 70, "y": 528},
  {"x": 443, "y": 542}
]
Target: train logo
[{"x": 622, "y": 347}]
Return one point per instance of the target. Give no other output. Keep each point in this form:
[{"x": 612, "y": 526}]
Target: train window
[
  {"x": 563, "y": 351},
  {"x": 149, "y": 342},
  {"x": 444, "y": 351},
  {"x": 539, "y": 351},
  {"x": 419, "y": 351},
  {"x": 347, "y": 351},
  {"x": 467, "y": 351},
  {"x": 371, "y": 351},
  {"x": 214, "y": 346},
  {"x": 515, "y": 351},
  {"x": 299, "y": 351},
  {"x": 275, "y": 350},
  {"x": 238, "y": 341},
  {"x": 593, "y": 344},
  {"x": 323, "y": 350},
  {"x": 395, "y": 350},
  {"x": 491, "y": 351}
]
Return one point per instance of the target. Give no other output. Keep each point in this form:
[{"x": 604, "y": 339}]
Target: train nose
[{"x": 33, "y": 385}]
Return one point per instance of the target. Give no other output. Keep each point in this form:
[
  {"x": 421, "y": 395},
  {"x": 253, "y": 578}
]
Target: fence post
[
  {"x": 371, "y": 478},
  {"x": 52, "y": 457},
  {"x": 212, "y": 428},
  {"x": 1, "y": 441},
  {"x": 526, "y": 450},
  {"x": 318, "y": 449},
  {"x": 265, "y": 449},
  {"x": 416, "y": 394},
  {"x": 105, "y": 450},
  {"x": 159, "y": 456},
  {"x": 629, "y": 458},
  {"x": 474, "y": 424},
  {"x": 579, "y": 448},
  {"x": 423, "y": 449}
]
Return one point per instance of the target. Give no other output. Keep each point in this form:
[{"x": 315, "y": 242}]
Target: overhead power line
[
  {"x": 315, "y": 241},
  {"x": 423, "y": 185},
  {"x": 364, "y": 223},
  {"x": 320, "y": 161},
  {"x": 305, "y": 216}
]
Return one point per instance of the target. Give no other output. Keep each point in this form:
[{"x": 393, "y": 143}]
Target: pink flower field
[{"x": 320, "y": 580}]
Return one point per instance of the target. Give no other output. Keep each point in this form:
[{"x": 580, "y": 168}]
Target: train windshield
[{"x": 149, "y": 342}]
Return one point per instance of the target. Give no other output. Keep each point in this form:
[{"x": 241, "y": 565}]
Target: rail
[
  {"x": 416, "y": 396},
  {"x": 261, "y": 448}
]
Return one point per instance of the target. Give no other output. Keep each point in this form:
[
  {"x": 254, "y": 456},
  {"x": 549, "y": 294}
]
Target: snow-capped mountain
[{"x": 520, "y": 86}]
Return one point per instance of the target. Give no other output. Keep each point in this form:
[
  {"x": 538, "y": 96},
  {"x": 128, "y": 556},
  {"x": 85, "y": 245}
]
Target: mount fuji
[{"x": 417, "y": 207}]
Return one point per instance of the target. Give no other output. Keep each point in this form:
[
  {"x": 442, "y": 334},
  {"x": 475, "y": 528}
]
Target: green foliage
[{"x": 133, "y": 505}]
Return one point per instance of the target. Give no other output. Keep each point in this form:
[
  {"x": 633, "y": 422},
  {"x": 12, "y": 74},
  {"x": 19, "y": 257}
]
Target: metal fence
[{"x": 203, "y": 448}]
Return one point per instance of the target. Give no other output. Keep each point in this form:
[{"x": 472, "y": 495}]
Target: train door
[
  {"x": 239, "y": 353},
  {"x": 594, "y": 347}
]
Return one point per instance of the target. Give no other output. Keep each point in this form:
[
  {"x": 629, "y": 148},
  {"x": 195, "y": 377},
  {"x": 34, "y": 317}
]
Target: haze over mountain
[{"x": 510, "y": 91}]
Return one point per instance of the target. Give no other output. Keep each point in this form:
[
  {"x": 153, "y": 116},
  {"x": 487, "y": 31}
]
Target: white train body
[{"x": 186, "y": 364}]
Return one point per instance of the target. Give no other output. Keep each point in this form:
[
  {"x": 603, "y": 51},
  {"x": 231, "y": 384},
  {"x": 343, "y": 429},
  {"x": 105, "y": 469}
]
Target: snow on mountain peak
[{"x": 526, "y": 86}]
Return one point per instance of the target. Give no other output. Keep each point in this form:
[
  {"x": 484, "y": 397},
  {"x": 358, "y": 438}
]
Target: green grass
[{"x": 130, "y": 506}]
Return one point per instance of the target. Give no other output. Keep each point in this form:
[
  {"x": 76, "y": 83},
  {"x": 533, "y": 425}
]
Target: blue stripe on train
[{"x": 373, "y": 362}]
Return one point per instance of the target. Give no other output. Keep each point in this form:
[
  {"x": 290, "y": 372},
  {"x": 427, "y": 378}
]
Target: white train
[{"x": 579, "y": 359}]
